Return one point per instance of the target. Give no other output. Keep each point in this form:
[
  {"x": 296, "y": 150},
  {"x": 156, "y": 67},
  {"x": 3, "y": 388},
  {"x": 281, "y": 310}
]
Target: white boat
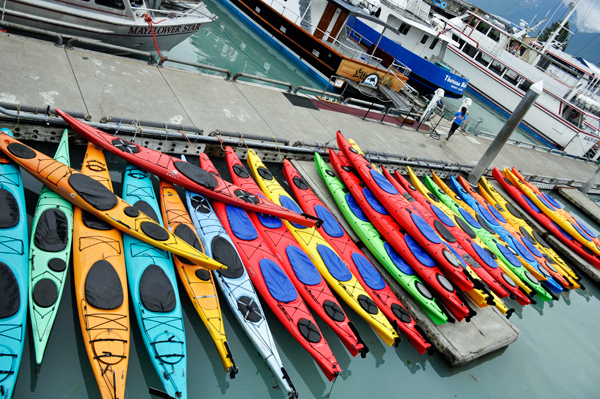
[
  {"x": 126, "y": 23},
  {"x": 501, "y": 67}
]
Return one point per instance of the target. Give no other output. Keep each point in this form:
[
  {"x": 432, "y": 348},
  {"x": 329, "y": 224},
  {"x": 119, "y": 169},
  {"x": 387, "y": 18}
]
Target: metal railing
[{"x": 263, "y": 79}]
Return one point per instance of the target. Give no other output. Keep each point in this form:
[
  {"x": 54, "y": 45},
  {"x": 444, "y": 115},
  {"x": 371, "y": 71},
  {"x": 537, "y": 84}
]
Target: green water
[{"x": 556, "y": 357}]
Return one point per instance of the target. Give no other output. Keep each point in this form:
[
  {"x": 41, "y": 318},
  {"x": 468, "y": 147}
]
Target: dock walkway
[{"x": 38, "y": 73}]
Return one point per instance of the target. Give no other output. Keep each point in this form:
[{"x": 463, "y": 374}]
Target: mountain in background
[{"x": 586, "y": 41}]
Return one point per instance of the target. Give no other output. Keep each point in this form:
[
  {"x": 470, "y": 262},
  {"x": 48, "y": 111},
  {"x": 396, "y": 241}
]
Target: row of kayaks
[{"x": 441, "y": 244}]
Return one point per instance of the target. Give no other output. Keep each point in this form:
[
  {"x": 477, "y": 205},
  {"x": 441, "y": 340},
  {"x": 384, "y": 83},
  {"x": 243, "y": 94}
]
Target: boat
[
  {"x": 197, "y": 280},
  {"x": 413, "y": 36},
  {"x": 49, "y": 257},
  {"x": 328, "y": 263},
  {"x": 399, "y": 208},
  {"x": 514, "y": 217},
  {"x": 502, "y": 67},
  {"x": 95, "y": 198},
  {"x": 101, "y": 292},
  {"x": 497, "y": 245},
  {"x": 181, "y": 173},
  {"x": 14, "y": 273},
  {"x": 384, "y": 252},
  {"x": 154, "y": 292},
  {"x": 402, "y": 243},
  {"x": 237, "y": 288},
  {"x": 315, "y": 35},
  {"x": 272, "y": 282},
  {"x": 145, "y": 25},
  {"x": 476, "y": 248},
  {"x": 360, "y": 266},
  {"x": 298, "y": 266},
  {"x": 528, "y": 252}
]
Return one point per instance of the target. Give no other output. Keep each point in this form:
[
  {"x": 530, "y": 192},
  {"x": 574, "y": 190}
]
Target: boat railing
[
  {"x": 354, "y": 53},
  {"x": 419, "y": 15}
]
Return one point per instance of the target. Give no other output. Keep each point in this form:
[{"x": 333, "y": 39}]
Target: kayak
[
  {"x": 556, "y": 206},
  {"x": 482, "y": 294},
  {"x": 402, "y": 243},
  {"x": 471, "y": 243},
  {"x": 297, "y": 265},
  {"x": 236, "y": 287},
  {"x": 515, "y": 219},
  {"x": 181, "y": 173},
  {"x": 544, "y": 220},
  {"x": 49, "y": 253},
  {"x": 491, "y": 239},
  {"x": 93, "y": 197},
  {"x": 360, "y": 266},
  {"x": 324, "y": 257},
  {"x": 527, "y": 251},
  {"x": 399, "y": 208},
  {"x": 14, "y": 274},
  {"x": 197, "y": 281},
  {"x": 154, "y": 292},
  {"x": 457, "y": 238},
  {"x": 385, "y": 253},
  {"x": 271, "y": 281},
  {"x": 100, "y": 281},
  {"x": 572, "y": 229}
]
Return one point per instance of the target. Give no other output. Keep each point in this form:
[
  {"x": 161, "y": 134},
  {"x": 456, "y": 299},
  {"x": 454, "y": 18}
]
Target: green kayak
[
  {"x": 49, "y": 252},
  {"x": 497, "y": 247},
  {"x": 386, "y": 255}
]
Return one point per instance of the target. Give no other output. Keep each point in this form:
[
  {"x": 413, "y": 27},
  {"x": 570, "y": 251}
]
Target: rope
[
  {"x": 188, "y": 139},
  {"x": 18, "y": 117},
  {"x": 151, "y": 24},
  {"x": 278, "y": 150},
  {"x": 220, "y": 137},
  {"x": 332, "y": 384}
]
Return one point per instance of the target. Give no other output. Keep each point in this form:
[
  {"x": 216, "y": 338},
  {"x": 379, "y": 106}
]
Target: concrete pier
[{"x": 458, "y": 343}]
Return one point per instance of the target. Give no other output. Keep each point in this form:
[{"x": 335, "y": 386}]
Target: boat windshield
[{"x": 116, "y": 4}]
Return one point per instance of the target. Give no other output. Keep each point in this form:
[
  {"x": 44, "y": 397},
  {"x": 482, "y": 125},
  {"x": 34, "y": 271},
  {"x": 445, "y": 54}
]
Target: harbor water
[{"x": 556, "y": 357}]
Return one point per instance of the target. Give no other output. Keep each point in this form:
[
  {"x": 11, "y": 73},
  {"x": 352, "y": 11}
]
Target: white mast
[{"x": 562, "y": 24}]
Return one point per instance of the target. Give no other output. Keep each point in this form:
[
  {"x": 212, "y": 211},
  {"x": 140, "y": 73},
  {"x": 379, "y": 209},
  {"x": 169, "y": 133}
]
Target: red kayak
[
  {"x": 271, "y": 281},
  {"x": 182, "y": 173},
  {"x": 544, "y": 220},
  {"x": 397, "y": 237},
  {"x": 298, "y": 266},
  {"x": 356, "y": 260},
  {"x": 400, "y": 209},
  {"x": 458, "y": 239},
  {"x": 526, "y": 249}
]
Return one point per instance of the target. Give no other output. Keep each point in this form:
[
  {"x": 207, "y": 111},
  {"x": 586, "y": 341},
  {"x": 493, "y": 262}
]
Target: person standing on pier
[{"x": 458, "y": 119}]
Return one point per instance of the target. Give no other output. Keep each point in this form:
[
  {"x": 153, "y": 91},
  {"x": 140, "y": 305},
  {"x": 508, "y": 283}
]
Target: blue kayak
[
  {"x": 236, "y": 287},
  {"x": 14, "y": 273},
  {"x": 153, "y": 288}
]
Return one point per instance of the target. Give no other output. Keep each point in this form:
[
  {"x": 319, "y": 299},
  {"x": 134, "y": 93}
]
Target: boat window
[
  {"x": 483, "y": 59},
  {"x": 525, "y": 85},
  {"x": 434, "y": 43},
  {"x": 473, "y": 21},
  {"x": 511, "y": 76},
  {"x": 404, "y": 28},
  {"x": 118, "y": 4},
  {"x": 497, "y": 67},
  {"x": 469, "y": 50},
  {"x": 424, "y": 39},
  {"x": 483, "y": 27},
  {"x": 466, "y": 18},
  {"x": 494, "y": 35}
]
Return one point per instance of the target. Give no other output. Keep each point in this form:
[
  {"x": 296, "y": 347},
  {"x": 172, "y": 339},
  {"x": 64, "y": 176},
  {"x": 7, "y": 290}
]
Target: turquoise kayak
[
  {"x": 237, "y": 288},
  {"x": 14, "y": 273},
  {"x": 49, "y": 253},
  {"x": 153, "y": 288},
  {"x": 384, "y": 253}
]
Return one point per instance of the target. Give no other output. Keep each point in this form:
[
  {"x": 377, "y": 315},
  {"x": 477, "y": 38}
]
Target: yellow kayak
[
  {"x": 329, "y": 264},
  {"x": 197, "y": 280}
]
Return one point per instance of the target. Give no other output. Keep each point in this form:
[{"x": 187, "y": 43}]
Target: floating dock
[{"x": 103, "y": 86}]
